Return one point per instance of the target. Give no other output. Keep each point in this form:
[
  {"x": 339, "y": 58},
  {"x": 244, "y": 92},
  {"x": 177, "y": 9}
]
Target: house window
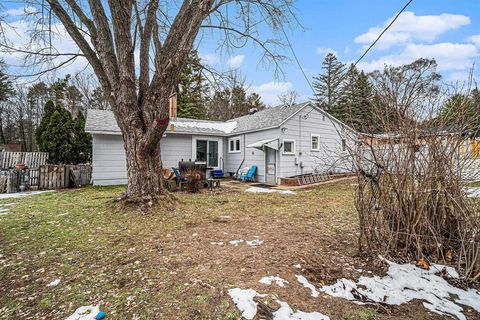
[
  {"x": 344, "y": 145},
  {"x": 207, "y": 152},
  {"x": 234, "y": 145},
  {"x": 315, "y": 142},
  {"x": 288, "y": 146}
]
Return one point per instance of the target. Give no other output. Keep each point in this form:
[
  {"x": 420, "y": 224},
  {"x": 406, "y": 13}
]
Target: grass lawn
[{"x": 164, "y": 265}]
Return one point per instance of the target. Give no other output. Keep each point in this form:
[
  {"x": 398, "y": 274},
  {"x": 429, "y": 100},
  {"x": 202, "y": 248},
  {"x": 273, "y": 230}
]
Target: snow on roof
[
  {"x": 103, "y": 121},
  {"x": 225, "y": 127}
]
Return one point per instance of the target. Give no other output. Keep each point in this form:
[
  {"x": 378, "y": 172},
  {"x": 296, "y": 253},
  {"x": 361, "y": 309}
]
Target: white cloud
[
  {"x": 449, "y": 56},
  {"x": 475, "y": 40},
  {"x": 235, "y": 62},
  {"x": 209, "y": 58},
  {"x": 271, "y": 90},
  {"x": 325, "y": 51},
  {"x": 17, "y": 34},
  {"x": 410, "y": 27},
  {"x": 20, "y": 11}
]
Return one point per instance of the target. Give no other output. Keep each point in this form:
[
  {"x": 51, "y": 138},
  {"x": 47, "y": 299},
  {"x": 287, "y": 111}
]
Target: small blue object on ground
[
  {"x": 100, "y": 315},
  {"x": 217, "y": 173}
]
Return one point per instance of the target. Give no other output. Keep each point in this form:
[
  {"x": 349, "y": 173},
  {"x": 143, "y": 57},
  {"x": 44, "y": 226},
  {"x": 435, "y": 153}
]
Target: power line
[
  {"x": 298, "y": 61},
  {"x": 384, "y": 30},
  {"x": 361, "y": 57}
]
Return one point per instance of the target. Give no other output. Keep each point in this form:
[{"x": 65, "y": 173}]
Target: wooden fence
[
  {"x": 8, "y": 160},
  {"x": 45, "y": 177},
  {"x": 64, "y": 176}
]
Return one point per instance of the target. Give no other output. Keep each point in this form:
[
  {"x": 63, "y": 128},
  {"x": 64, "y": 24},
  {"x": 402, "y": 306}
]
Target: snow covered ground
[
  {"x": 406, "y": 282},
  {"x": 22, "y": 194},
  {"x": 85, "y": 313},
  {"x": 269, "y": 280},
  {"x": 265, "y": 190},
  {"x": 244, "y": 300},
  {"x": 5, "y": 208},
  {"x": 473, "y": 192},
  {"x": 402, "y": 284}
]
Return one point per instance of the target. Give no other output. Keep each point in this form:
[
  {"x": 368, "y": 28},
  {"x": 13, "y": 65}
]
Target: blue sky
[
  {"x": 439, "y": 29},
  {"x": 448, "y": 30}
]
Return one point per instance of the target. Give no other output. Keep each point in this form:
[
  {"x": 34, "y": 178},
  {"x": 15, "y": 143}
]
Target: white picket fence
[{"x": 8, "y": 160}]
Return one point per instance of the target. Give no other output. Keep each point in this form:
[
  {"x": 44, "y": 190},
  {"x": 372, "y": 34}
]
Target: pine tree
[
  {"x": 355, "y": 106},
  {"x": 328, "y": 85},
  {"x": 81, "y": 141},
  {"x": 192, "y": 89},
  {"x": 63, "y": 137}
]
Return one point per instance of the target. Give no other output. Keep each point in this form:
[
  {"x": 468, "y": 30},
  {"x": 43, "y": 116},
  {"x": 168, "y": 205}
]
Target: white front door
[{"x": 270, "y": 165}]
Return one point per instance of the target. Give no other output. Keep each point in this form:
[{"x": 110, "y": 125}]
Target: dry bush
[{"x": 413, "y": 177}]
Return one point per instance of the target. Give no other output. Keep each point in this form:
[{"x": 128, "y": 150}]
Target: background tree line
[{"x": 384, "y": 100}]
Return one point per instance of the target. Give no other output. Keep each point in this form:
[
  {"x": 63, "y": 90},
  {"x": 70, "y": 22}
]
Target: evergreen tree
[
  {"x": 355, "y": 106},
  {"x": 81, "y": 140},
  {"x": 328, "y": 85},
  {"x": 230, "y": 103},
  {"x": 63, "y": 137},
  {"x": 191, "y": 90}
]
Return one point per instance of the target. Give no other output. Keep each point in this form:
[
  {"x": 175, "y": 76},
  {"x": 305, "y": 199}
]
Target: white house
[{"x": 283, "y": 141}]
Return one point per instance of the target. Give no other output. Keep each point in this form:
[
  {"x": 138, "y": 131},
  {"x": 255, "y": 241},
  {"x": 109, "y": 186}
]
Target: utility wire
[
  {"x": 384, "y": 30},
  {"x": 298, "y": 61},
  {"x": 361, "y": 57}
]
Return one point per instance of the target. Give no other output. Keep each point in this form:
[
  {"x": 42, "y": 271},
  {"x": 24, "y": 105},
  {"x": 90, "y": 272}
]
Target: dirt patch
[{"x": 177, "y": 262}]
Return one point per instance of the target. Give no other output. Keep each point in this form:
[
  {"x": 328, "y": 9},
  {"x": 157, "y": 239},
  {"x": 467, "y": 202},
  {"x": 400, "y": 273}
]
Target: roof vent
[{"x": 252, "y": 110}]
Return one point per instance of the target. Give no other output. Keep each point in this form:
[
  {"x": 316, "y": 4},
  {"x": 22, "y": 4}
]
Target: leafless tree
[
  {"x": 107, "y": 34},
  {"x": 288, "y": 98}
]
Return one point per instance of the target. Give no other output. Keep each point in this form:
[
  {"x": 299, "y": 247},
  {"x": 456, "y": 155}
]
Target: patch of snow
[
  {"x": 217, "y": 243},
  {"x": 85, "y": 313},
  {"x": 235, "y": 242},
  {"x": 4, "y": 211},
  {"x": 226, "y": 127},
  {"x": 298, "y": 266},
  {"x": 308, "y": 285},
  {"x": 243, "y": 299},
  {"x": 268, "y": 281},
  {"x": 22, "y": 194},
  {"x": 54, "y": 283},
  {"x": 286, "y": 313},
  {"x": 473, "y": 192},
  {"x": 406, "y": 282},
  {"x": 254, "y": 243},
  {"x": 265, "y": 190}
]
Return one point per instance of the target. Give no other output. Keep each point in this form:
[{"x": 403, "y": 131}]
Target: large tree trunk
[
  {"x": 144, "y": 170},
  {"x": 144, "y": 163}
]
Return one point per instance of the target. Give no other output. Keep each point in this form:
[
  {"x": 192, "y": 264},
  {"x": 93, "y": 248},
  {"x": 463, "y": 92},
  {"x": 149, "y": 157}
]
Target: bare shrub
[{"x": 413, "y": 176}]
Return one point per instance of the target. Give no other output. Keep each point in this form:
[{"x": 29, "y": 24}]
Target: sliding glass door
[{"x": 207, "y": 151}]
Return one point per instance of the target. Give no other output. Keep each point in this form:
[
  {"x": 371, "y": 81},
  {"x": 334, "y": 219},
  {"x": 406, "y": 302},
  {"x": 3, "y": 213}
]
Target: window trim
[
  {"x": 234, "y": 140},
  {"x": 283, "y": 147},
  {"x": 318, "y": 142}
]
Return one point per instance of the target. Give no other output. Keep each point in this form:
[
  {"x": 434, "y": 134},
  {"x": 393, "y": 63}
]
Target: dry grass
[{"x": 163, "y": 265}]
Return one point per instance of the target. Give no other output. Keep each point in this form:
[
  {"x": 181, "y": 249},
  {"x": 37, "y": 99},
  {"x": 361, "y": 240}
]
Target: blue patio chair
[{"x": 250, "y": 174}]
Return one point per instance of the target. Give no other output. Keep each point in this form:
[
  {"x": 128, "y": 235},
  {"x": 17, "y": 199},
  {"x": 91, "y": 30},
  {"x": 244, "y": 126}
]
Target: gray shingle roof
[
  {"x": 266, "y": 118},
  {"x": 103, "y": 121}
]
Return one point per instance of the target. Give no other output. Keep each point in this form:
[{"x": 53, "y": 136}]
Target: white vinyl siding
[
  {"x": 109, "y": 161},
  {"x": 301, "y": 127},
  {"x": 252, "y": 155}
]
